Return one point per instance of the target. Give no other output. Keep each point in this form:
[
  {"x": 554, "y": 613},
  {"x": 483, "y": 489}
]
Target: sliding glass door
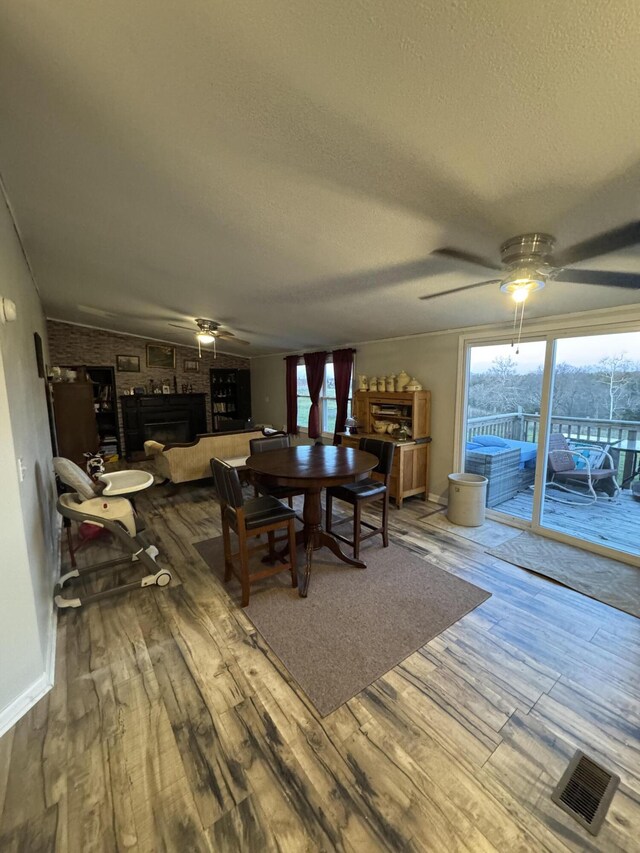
[
  {"x": 592, "y": 485},
  {"x": 504, "y": 392},
  {"x": 554, "y": 425}
]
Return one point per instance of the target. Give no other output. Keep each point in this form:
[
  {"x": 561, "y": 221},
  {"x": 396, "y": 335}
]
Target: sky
[{"x": 575, "y": 351}]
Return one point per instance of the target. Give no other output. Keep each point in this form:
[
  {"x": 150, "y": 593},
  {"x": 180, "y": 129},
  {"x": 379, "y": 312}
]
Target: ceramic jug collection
[{"x": 402, "y": 380}]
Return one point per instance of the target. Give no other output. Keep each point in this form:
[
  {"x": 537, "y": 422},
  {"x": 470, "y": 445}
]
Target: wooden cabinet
[
  {"x": 411, "y": 408},
  {"x": 230, "y": 397},
  {"x": 75, "y": 420},
  {"x": 103, "y": 382},
  {"x": 410, "y": 472}
]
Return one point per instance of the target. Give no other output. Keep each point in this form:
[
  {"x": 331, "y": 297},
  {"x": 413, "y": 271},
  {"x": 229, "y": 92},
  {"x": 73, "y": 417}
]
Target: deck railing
[{"x": 524, "y": 426}]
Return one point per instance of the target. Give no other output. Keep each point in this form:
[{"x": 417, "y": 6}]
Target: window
[{"x": 328, "y": 405}]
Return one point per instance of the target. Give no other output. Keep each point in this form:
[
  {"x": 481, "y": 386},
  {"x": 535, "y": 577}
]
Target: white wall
[
  {"x": 28, "y": 520},
  {"x": 268, "y": 391},
  {"x": 432, "y": 359}
]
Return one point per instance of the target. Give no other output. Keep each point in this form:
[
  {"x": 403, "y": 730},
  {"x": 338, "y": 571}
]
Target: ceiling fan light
[
  {"x": 205, "y": 337},
  {"x": 519, "y": 294},
  {"x": 521, "y": 282}
]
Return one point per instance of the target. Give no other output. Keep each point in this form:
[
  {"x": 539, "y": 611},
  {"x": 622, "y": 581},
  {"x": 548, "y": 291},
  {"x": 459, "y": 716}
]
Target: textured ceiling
[{"x": 286, "y": 167}]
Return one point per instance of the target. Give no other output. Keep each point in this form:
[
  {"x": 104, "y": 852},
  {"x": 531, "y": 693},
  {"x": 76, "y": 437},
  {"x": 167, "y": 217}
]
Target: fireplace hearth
[
  {"x": 171, "y": 432},
  {"x": 168, "y": 418}
]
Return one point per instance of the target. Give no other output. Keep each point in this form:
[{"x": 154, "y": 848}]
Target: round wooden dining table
[{"x": 313, "y": 469}]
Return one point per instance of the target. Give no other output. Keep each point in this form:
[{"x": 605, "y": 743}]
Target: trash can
[{"x": 467, "y": 499}]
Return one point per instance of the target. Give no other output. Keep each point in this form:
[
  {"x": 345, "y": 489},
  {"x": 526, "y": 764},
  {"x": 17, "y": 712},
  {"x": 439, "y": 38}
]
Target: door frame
[{"x": 548, "y": 332}]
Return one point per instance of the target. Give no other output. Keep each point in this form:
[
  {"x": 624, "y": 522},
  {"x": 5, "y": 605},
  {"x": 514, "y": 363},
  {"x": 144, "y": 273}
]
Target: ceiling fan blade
[
  {"x": 460, "y": 289},
  {"x": 605, "y": 278},
  {"x": 467, "y": 257},
  {"x": 188, "y": 328},
  {"x": 602, "y": 244},
  {"x": 232, "y": 339}
]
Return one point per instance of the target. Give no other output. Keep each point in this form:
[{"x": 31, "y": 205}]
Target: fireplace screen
[{"x": 172, "y": 432}]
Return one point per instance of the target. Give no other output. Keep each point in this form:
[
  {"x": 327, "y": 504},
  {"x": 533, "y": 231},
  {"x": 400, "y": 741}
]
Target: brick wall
[{"x": 80, "y": 345}]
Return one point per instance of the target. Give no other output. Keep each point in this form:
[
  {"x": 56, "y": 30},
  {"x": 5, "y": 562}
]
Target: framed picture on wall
[
  {"x": 191, "y": 365},
  {"x": 128, "y": 363},
  {"x": 39, "y": 356},
  {"x": 159, "y": 355}
]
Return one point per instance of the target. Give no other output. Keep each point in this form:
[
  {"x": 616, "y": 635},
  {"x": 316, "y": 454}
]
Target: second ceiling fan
[{"x": 210, "y": 331}]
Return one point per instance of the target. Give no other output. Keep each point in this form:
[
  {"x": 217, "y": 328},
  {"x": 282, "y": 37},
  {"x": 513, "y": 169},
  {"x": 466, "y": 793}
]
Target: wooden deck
[
  {"x": 173, "y": 726},
  {"x": 614, "y": 523}
]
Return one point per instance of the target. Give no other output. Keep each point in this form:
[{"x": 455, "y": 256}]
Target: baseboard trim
[
  {"x": 19, "y": 707},
  {"x": 437, "y": 499},
  {"x": 23, "y": 703}
]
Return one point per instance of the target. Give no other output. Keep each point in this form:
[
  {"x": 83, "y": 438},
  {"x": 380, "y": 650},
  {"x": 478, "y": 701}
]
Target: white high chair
[{"x": 113, "y": 512}]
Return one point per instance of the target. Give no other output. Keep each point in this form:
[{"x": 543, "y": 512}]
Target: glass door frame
[{"x": 550, "y": 332}]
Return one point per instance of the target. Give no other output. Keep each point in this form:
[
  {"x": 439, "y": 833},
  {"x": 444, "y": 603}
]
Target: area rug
[
  {"x": 598, "y": 577},
  {"x": 356, "y": 624}
]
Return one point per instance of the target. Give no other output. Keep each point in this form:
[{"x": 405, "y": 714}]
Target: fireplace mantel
[{"x": 140, "y": 410}]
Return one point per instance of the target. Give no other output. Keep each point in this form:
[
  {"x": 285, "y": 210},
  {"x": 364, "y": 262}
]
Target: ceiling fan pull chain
[
  {"x": 520, "y": 329},
  {"x": 515, "y": 321}
]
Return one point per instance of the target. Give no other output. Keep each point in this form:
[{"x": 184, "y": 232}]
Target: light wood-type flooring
[{"x": 172, "y": 726}]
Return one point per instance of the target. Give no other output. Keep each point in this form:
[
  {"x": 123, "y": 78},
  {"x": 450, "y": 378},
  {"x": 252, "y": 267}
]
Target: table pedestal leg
[{"x": 314, "y": 537}]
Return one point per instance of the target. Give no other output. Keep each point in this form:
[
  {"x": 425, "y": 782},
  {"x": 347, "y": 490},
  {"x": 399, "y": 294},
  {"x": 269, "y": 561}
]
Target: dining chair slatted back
[
  {"x": 249, "y": 519},
  {"x": 362, "y": 492}
]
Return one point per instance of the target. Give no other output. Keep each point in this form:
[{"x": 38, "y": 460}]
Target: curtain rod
[{"x": 329, "y": 352}]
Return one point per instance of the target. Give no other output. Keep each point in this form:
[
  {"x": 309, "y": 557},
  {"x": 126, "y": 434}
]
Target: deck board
[{"x": 613, "y": 523}]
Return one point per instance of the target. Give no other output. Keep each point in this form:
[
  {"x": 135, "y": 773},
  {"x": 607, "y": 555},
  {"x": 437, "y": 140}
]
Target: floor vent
[{"x": 585, "y": 791}]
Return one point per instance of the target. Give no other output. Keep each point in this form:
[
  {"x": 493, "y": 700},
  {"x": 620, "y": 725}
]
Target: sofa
[{"x": 182, "y": 463}]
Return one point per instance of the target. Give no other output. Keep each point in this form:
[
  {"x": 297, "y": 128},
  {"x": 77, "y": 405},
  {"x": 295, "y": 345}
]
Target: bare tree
[
  {"x": 614, "y": 374},
  {"x": 505, "y": 382}
]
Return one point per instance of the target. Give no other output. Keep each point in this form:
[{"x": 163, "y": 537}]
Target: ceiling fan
[
  {"x": 528, "y": 262},
  {"x": 210, "y": 331}
]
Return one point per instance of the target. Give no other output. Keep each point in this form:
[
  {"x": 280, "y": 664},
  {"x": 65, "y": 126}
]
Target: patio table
[{"x": 631, "y": 447}]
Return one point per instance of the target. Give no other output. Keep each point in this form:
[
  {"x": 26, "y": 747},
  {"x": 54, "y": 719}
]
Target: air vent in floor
[{"x": 585, "y": 791}]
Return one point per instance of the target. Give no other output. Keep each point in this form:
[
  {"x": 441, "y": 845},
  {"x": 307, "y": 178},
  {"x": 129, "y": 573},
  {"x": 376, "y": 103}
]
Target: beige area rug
[
  {"x": 598, "y": 577},
  {"x": 356, "y": 624}
]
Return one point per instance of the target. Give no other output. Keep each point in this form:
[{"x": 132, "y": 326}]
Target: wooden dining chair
[
  {"x": 276, "y": 441},
  {"x": 250, "y": 519},
  {"x": 363, "y": 492}
]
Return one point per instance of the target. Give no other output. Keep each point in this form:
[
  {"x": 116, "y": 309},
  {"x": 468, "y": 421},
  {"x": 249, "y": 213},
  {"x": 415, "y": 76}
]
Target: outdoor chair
[{"x": 587, "y": 465}]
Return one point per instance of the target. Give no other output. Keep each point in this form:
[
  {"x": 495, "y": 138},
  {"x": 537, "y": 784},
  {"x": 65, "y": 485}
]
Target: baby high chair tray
[{"x": 125, "y": 482}]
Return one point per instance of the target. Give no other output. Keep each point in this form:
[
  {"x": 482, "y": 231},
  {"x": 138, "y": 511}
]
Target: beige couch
[{"x": 183, "y": 462}]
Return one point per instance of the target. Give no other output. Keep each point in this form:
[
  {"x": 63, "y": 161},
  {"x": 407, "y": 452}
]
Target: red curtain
[
  {"x": 314, "y": 363},
  {"x": 342, "y": 367},
  {"x": 291, "y": 362}
]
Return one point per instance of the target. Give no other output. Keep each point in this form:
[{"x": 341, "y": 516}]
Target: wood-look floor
[{"x": 173, "y": 727}]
